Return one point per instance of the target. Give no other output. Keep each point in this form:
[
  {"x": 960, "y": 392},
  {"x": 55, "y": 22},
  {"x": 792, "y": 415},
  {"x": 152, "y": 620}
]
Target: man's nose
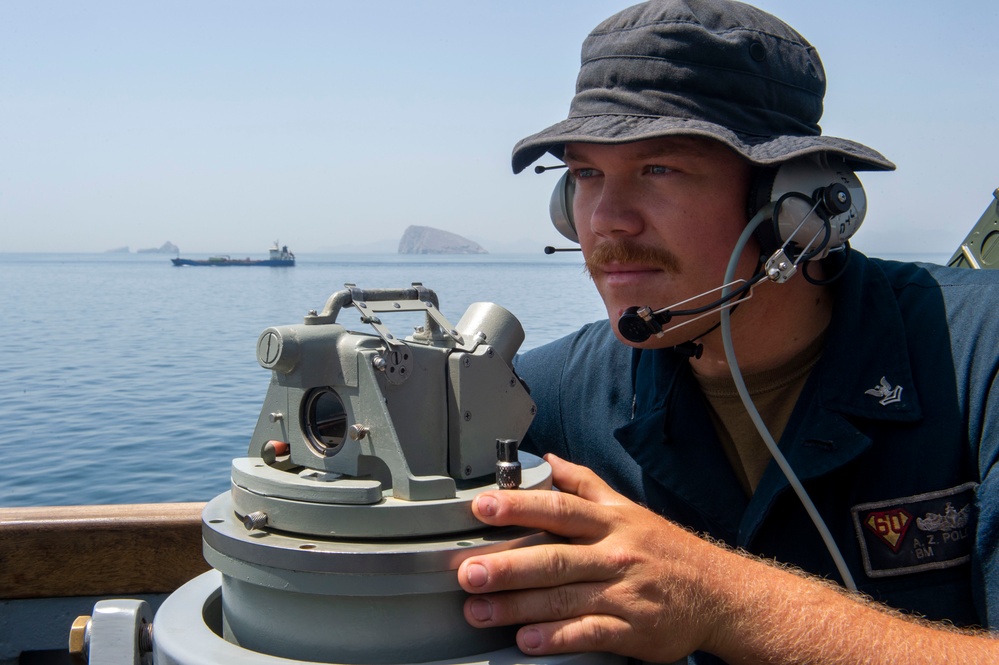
[{"x": 615, "y": 212}]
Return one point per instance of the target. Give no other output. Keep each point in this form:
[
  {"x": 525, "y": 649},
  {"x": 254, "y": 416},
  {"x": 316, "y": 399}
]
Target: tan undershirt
[{"x": 774, "y": 393}]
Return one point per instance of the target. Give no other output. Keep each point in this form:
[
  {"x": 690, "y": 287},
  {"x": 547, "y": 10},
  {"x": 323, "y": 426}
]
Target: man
[{"x": 876, "y": 378}]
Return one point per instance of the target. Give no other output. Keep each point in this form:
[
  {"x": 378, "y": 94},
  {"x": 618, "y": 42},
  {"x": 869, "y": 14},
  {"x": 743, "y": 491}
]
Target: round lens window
[{"x": 325, "y": 421}]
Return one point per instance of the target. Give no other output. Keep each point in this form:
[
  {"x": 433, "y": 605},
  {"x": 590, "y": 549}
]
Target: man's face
[{"x": 657, "y": 221}]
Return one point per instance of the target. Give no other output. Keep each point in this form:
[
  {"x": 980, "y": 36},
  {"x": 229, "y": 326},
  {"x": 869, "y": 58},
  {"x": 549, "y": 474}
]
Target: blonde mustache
[{"x": 628, "y": 251}]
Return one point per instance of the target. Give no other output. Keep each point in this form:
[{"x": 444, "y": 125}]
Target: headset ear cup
[
  {"x": 560, "y": 207},
  {"x": 760, "y": 194}
]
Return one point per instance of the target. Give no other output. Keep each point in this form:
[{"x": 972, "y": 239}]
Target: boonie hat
[{"x": 713, "y": 68}]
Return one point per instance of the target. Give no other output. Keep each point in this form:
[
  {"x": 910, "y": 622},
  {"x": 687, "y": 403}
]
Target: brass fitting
[{"x": 79, "y": 640}]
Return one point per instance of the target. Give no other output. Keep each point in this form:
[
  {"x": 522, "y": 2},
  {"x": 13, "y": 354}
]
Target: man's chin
[{"x": 666, "y": 341}]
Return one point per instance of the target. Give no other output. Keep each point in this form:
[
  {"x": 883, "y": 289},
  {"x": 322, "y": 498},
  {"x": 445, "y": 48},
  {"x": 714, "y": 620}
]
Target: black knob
[{"x": 836, "y": 199}]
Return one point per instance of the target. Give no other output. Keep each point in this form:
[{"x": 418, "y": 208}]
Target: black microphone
[
  {"x": 542, "y": 169},
  {"x": 638, "y": 324},
  {"x": 635, "y": 327},
  {"x": 551, "y": 250}
]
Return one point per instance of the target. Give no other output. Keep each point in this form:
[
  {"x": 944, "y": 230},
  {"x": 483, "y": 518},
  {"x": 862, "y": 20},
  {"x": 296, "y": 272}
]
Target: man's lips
[
  {"x": 626, "y": 274},
  {"x": 628, "y": 267}
]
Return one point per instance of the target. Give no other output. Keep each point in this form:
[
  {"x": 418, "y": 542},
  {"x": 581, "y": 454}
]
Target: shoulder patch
[{"x": 916, "y": 533}]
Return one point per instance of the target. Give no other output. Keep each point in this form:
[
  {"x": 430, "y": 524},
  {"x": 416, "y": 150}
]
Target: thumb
[{"x": 582, "y": 482}]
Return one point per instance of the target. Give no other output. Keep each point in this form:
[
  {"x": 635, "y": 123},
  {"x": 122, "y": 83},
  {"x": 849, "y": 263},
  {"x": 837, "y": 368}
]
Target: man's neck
[{"x": 771, "y": 328}]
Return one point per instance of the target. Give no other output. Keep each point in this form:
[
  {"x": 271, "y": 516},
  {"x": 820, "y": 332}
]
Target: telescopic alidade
[{"x": 340, "y": 538}]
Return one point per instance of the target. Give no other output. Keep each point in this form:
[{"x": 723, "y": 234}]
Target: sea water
[{"x": 128, "y": 380}]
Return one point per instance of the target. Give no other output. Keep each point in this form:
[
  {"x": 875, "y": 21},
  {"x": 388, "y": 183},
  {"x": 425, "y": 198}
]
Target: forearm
[{"x": 771, "y": 615}]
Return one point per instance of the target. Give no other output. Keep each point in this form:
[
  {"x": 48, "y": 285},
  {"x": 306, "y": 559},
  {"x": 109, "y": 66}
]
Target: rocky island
[
  {"x": 166, "y": 248},
  {"x": 428, "y": 240}
]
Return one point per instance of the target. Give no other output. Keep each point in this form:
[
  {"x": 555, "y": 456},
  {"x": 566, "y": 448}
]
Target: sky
[{"x": 221, "y": 126}]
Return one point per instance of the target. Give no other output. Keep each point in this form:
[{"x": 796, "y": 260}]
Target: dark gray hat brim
[{"x": 760, "y": 151}]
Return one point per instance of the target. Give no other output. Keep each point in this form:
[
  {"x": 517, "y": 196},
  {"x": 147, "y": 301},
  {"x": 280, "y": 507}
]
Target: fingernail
[
  {"x": 531, "y": 638},
  {"x": 486, "y": 505},
  {"x": 476, "y": 574},
  {"x": 481, "y": 609}
]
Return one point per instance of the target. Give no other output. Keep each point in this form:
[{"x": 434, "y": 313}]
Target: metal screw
[
  {"x": 841, "y": 197},
  {"x": 276, "y": 416},
  {"x": 468, "y": 415},
  {"x": 379, "y": 363},
  {"x": 466, "y": 361},
  {"x": 255, "y": 520},
  {"x": 357, "y": 432},
  {"x": 490, "y": 352},
  {"x": 468, "y": 470},
  {"x": 513, "y": 382},
  {"x": 313, "y": 312}
]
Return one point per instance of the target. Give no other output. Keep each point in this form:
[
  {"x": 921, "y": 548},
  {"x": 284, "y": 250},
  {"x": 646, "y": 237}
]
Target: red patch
[{"x": 889, "y": 525}]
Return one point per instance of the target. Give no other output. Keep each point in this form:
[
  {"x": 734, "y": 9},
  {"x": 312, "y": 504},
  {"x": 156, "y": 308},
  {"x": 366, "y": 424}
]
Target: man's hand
[{"x": 627, "y": 581}]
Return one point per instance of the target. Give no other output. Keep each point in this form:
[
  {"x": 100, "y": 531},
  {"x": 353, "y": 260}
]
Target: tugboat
[{"x": 278, "y": 257}]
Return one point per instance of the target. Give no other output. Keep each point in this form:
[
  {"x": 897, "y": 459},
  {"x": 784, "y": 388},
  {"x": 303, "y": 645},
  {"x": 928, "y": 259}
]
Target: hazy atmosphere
[{"x": 222, "y": 126}]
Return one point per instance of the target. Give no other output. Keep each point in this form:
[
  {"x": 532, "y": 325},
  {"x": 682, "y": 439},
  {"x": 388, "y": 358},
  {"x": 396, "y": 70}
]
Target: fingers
[
  {"x": 581, "y": 481},
  {"x": 575, "y": 512},
  {"x": 555, "y": 512},
  {"x": 558, "y": 621},
  {"x": 588, "y": 633},
  {"x": 540, "y": 566},
  {"x": 537, "y": 605}
]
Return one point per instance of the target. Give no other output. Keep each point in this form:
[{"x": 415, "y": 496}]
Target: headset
[{"x": 818, "y": 204}]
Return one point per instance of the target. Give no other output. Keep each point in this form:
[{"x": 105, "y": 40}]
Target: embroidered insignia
[
  {"x": 887, "y": 394},
  {"x": 889, "y": 525},
  {"x": 895, "y": 541},
  {"x": 949, "y": 521}
]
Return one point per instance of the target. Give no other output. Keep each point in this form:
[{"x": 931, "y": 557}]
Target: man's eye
[
  {"x": 585, "y": 173},
  {"x": 655, "y": 169}
]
